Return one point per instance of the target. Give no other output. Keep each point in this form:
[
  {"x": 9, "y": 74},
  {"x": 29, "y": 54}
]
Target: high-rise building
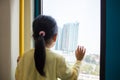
[
  {"x": 67, "y": 37},
  {"x": 70, "y": 36}
]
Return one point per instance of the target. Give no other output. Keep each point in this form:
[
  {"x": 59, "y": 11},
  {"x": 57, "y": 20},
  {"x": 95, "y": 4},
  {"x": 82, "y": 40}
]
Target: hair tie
[{"x": 42, "y": 33}]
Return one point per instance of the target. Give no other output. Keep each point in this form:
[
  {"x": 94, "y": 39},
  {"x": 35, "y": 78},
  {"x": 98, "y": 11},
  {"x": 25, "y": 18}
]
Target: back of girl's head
[
  {"x": 46, "y": 24},
  {"x": 44, "y": 28}
]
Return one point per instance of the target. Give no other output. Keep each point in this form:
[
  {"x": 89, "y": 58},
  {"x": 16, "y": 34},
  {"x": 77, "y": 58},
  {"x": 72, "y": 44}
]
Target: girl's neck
[{"x": 50, "y": 45}]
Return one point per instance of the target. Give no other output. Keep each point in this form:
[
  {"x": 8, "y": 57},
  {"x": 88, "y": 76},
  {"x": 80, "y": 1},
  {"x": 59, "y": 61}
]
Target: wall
[
  {"x": 14, "y": 20},
  {"x": 113, "y": 39},
  {"x": 9, "y": 35},
  {"x": 28, "y": 12},
  {"x": 5, "y": 45},
  {"x": 9, "y": 38}
]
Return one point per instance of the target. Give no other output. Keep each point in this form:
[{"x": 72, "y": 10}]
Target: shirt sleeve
[{"x": 64, "y": 72}]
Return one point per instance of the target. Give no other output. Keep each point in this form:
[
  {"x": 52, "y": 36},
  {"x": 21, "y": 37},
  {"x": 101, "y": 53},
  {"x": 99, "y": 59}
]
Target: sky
[{"x": 86, "y": 12}]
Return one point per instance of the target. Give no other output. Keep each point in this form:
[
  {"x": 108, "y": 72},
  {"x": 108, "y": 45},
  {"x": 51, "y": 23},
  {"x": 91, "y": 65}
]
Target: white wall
[
  {"x": 9, "y": 38},
  {"x": 14, "y": 8}
]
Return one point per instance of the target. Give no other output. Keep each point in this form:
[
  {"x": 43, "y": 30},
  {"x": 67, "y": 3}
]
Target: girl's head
[
  {"x": 44, "y": 33},
  {"x": 46, "y": 27}
]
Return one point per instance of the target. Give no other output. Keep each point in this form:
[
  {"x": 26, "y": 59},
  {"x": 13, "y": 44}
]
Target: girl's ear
[{"x": 55, "y": 37}]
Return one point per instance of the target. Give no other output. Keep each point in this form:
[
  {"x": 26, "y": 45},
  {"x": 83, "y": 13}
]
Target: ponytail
[
  {"x": 44, "y": 28},
  {"x": 40, "y": 55}
]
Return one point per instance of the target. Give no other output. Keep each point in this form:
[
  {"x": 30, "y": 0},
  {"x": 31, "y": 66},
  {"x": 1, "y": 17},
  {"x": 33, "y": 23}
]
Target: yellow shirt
[{"x": 55, "y": 67}]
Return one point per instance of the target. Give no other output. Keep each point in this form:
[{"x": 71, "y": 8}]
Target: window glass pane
[{"x": 79, "y": 24}]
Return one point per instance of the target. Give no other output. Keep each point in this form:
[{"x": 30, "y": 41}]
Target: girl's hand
[
  {"x": 18, "y": 59},
  {"x": 80, "y": 52}
]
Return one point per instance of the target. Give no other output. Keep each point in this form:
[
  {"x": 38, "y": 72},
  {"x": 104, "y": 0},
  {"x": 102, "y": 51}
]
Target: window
[{"x": 79, "y": 24}]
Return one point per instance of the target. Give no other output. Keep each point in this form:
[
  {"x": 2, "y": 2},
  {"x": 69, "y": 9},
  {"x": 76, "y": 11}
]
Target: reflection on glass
[{"x": 79, "y": 24}]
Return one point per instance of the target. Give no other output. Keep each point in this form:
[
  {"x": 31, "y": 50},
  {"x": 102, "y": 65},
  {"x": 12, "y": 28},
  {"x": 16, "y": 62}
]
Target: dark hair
[{"x": 48, "y": 25}]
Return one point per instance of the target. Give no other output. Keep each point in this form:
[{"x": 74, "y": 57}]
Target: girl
[{"x": 42, "y": 63}]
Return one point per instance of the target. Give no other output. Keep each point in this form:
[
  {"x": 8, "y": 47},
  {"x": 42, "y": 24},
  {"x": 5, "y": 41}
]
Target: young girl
[{"x": 42, "y": 63}]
